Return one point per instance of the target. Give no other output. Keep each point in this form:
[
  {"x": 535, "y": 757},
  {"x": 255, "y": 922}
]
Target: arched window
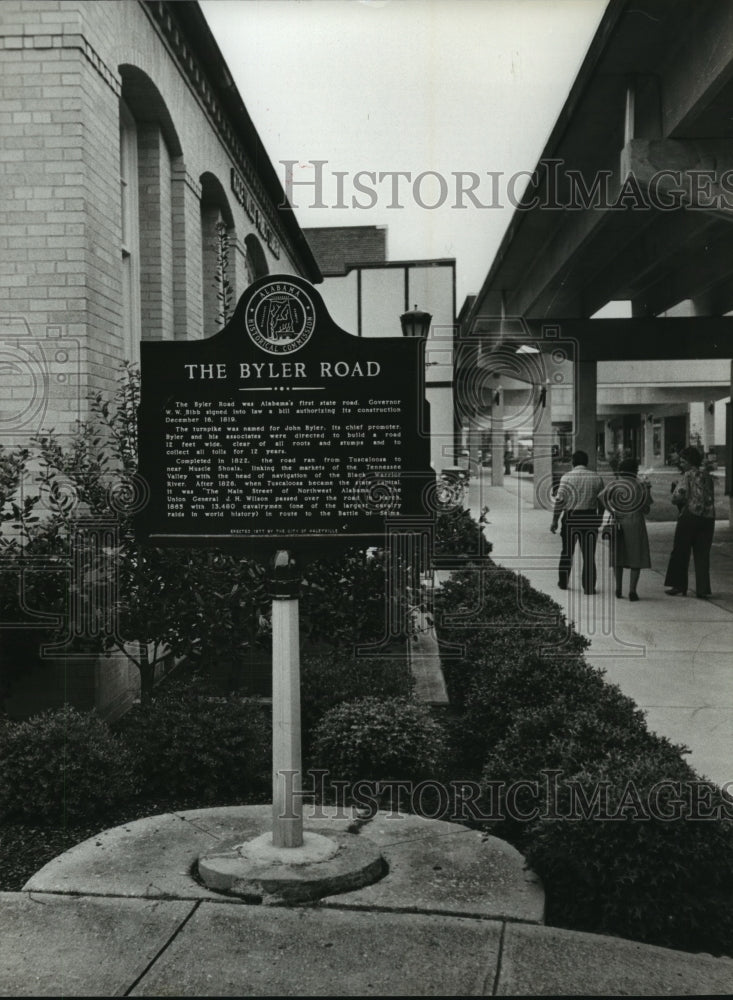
[
  {"x": 130, "y": 235},
  {"x": 255, "y": 259},
  {"x": 149, "y": 169}
]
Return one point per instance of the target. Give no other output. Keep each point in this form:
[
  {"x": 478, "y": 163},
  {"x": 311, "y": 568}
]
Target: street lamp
[{"x": 415, "y": 323}]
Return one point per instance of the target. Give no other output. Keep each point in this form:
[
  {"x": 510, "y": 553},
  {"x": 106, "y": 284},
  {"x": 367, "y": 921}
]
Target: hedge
[
  {"x": 379, "y": 739},
  {"x": 547, "y": 735},
  {"x": 62, "y": 766},
  {"x": 662, "y": 872},
  {"x": 188, "y": 745},
  {"x": 329, "y": 680},
  {"x": 489, "y": 611}
]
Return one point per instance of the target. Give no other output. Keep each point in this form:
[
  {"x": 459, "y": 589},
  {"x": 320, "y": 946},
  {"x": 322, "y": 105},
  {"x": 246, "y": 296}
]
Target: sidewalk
[
  {"x": 457, "y": 914},
  {"x": 672, "y": 655}
]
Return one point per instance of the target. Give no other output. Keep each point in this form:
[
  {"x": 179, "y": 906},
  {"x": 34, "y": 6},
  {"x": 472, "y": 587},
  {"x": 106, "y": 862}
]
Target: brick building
[
  {"x": 127, "y": 157},
  {"x": 136, "y": 202}
]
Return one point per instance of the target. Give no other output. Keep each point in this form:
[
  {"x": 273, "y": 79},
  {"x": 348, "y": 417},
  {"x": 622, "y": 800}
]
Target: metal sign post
[{"x": 287, "y": 805}]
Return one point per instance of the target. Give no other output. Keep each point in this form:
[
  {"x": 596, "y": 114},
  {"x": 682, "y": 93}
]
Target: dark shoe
[
  {"x": 673, "y": 592},
  {"x": 619, "y": 594},
  {"x": 590, "y": 593},
  {"x": 704, "y": 597},
  {"x": 562, "y": 586},
  {"x": 633, "y": 596}
]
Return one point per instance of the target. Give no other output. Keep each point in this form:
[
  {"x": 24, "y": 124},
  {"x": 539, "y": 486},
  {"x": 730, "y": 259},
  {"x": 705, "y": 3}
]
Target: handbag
[{"x": 610, "y": 526}]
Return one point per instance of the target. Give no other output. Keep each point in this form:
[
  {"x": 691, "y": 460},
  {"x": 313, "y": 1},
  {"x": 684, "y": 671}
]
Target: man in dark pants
[
  {"x": 695, "y": 498},
  {"x": 577, "y": 500}
]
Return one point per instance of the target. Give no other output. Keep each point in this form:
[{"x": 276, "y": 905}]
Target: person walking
[
  {"x": 628, "y": 500},
  {"x": 577, "y": 500},
  {"x": 694, "y": 496}
]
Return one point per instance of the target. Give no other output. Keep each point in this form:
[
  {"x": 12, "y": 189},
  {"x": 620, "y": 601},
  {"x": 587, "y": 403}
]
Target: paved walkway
[
  {"x": 456, "y": 915},
  {"x": 672, "y": 655}
]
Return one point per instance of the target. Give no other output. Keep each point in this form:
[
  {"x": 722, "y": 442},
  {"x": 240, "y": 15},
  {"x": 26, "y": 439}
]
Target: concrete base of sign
[{"x": 259, "y": 872}]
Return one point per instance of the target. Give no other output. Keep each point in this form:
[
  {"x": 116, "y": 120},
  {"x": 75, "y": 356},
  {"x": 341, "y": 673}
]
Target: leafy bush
[
  {"x": 458, "y": 533},
  {"x": 496, "y": 616},
  {"x": 343, "y": 599},
  {"x": 667, "y": 881},
  {"x": 187, "y": 745},
  {"x": 567, "y": 738},
  {"x": 554, "y": 744},
  {"x": 62, "y": 766},
  {"x": 660, "y": 870},
  {"x": 504, "y": 687},
  {"x": 165, "y": 600},
  {"x": 379, "y": 739},
  {"x": 327, "y": 681}
]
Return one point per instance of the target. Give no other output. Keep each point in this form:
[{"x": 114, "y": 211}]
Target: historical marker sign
[{"x": 282, "y": 428}]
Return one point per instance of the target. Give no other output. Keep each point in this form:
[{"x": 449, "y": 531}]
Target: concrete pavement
[
  {"x": 672, "y": 655},
  {"x": 457, "y": 915},
  {"x": 111, "y": 946}
]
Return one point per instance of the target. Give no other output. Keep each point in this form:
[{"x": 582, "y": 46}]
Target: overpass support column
[
  {"x": 473, "y": 444},
  {"x": 648, "y": 439},
  {"x": 497, "y": 438},
  {"x": 708, "y": 424},
  {"x": 729, "y": 450},
  {"x": 585, "y": 409},
  {"x": 542, "y": 448}
]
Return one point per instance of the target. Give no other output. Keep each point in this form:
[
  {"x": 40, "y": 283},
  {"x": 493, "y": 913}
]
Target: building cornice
[{"x": 186, "y": 34}]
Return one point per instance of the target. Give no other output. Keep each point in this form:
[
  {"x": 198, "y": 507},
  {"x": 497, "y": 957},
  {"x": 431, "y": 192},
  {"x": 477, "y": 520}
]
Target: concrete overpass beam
[
  {"x": 680, "y": 173},
  {"x": 692, "y": 81}
]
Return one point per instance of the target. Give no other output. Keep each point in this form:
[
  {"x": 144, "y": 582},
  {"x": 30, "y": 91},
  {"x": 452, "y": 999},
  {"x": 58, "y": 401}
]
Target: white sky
[{"x": 407, "y": 85}]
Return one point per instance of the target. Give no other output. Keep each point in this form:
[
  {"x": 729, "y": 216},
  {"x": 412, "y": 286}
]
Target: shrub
[
  {"x": 166, "y": 600},
  {"x": 343, "y": 599},
  {"x": 190, "y": 746},
  {"x": 62, "y": 766},
  {"x": 458, "y": 533},
  {"x": 506, "y": 686},
  {"x": 583, "y": 768},
  {"x": 379, "y": 739},
  {"x": 626, "y": 838},
  {"x": 566, "y": 739},
  {"x": 329, "y": 680},
  {"x": 664, "y": 881},
  {"x": 495, "y": 616}
]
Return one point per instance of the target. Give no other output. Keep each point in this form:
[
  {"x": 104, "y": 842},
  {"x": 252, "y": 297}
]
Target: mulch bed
[{"x": 25, "y": 849}]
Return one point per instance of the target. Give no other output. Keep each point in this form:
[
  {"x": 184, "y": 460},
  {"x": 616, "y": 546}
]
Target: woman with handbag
[
  {"x": 694, "y": 496},
  {"x": 628, "y": 500}
]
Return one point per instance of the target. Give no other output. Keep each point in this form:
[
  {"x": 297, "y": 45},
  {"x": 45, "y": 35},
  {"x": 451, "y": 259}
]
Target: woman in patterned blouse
[{"x": 695, "y": 498}]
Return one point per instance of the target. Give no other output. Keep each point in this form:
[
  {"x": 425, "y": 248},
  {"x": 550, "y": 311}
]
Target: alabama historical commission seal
[{"x": 280, "y": 318}]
